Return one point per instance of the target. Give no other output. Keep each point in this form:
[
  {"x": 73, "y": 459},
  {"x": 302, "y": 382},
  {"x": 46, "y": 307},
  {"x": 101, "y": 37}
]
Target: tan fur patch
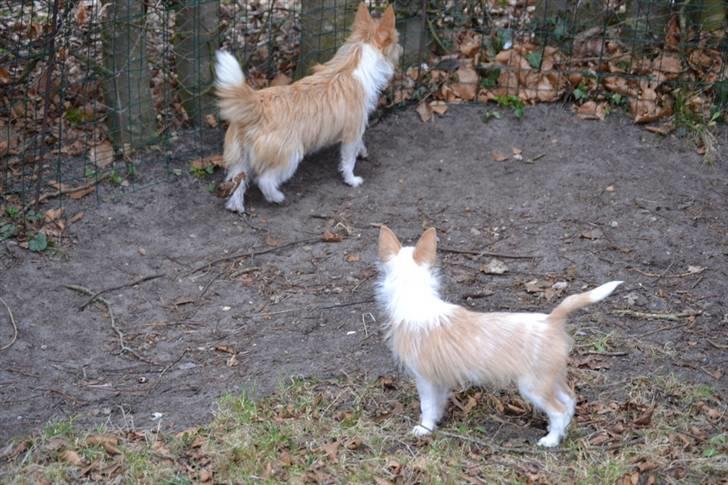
[{"x": 484, "y": 348}]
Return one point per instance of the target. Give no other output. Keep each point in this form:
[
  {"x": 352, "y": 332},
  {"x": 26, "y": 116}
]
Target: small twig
[
  {"x": 659, "y": 316},
  {"x": 61, "y": 192},
  {"x": 606, "y": 354},
  {"x": 717, "y": 345},
  {"x": 662, "y": 329},
  {"x": 12, "y": 322},
  {"x": 663, "y": 275},
  {"x": 119, "y": 334},
  {"x": 114, "y": 288},
  {"x": 493, "y": 446},
  {"x": 164, "y": 371},
  {"x": 485, "y": 253},
  {"x": 313, "y": 308},
  {"x": 250, "y": 254}
]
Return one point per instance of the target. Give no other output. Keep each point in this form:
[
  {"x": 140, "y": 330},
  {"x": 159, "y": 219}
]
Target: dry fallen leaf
[
  {"x": 331, "y": 451},
  {"x": 592, "y": 111},
  {"x": 81, "y": 193},
  {"x": 329, "y": 236},
  {"x": 425, "y": 111},
  {"x": 517, "y": 153},
  {"x": 645, "y": 418},
  {"x": 225, "y": 348},
  {"x": 592, "y": 234},
  {"x": 53, "y": 214},
  {"x": 599, "y": 439},
  {"x": 494, "y": 266},
  {"x": 352, "y": 258},
  {"x": 533, "y": 286},
  {"x": 439, "y": 107},
  {"x": 4, "y": 76},
  {"x": 71, "y": 457},
  {"x": 467, "y": 84},
  {"x": 211, "y": 120},
  {"x": 101, "y": 155},
  {"x": 108, "y": 442},
  {"x": 498, "y": 156}
]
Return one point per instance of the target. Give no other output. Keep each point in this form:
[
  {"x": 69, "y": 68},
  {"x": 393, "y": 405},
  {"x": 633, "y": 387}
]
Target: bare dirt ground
[{"x": 244, "y": 302}]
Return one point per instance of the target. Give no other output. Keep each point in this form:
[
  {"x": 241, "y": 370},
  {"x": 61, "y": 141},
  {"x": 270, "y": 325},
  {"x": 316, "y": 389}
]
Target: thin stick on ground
[
  {"x": 493, "y": 446},
  {"x": 676, "y": 317},
  {"x": 12, "y": 322},
  {"x": 119, "y": 334},
  {"x": 486, "y": 253},
  {"x": 119, "y": 287},
  {"x": 250, "y": 254},
  {"x": 58, "y": 193}
]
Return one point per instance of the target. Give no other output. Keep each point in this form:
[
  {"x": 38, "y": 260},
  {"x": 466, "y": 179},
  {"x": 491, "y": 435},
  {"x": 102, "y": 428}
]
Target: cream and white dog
[
  {"x": 272, "y": 129},
  {"x": 447, "y": 346}
]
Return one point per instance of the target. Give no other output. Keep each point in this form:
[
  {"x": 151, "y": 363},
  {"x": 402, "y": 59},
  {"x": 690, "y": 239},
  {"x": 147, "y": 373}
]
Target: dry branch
[
  {"x": 61, "y": 192},
  {"x": 250, "y": 254},
  {"x": 119, "y": 287},
  {"x": 486, "y": 253},
  {"x": 119, "y": 334},
  {"x": 12, "y": 322},
  {"x": 659, "y": 316}
]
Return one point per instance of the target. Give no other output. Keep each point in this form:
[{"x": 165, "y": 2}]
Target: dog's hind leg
[
  {"x": 235, "y": 202},
  {"x": 433, "y": 398},
  {"x": 543, "y": 396}
]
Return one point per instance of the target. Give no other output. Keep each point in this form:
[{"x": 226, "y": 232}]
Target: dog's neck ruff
[
  {"x": 373, "y": 72},
  {"x": 409, "y": 294}
]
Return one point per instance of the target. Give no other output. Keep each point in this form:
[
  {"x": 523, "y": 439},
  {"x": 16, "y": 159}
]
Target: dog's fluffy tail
[
  {"x": 574, "y": 302},
  {"x": 236, "y": 99}
]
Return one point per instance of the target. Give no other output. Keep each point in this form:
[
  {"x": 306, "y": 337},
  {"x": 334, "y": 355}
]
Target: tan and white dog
[
  {"x": 446, "y": 346},
  {"x": 272, "y": 129}
]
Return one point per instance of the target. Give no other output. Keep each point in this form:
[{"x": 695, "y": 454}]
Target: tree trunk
[
  {"x": 127, "y": 85},
  {"x": 325, "y": 25},
  {"x": 195, "y": 41}
]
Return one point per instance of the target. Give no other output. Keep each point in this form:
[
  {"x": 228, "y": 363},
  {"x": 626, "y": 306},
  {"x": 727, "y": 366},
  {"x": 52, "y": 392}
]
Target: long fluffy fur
[
  {"x": 445, "y": 345},
  {"x": 272, "y": 129}
]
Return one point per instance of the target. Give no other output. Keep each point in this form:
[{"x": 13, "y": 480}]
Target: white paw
[
  {"x": 420, "y": 430},
  {"x": 354, "y": 181},
  {"x": 235, "y": 205},
  {"x": 363, "y": 153},
  {"x": 549, "y": 441},
  {"x": 275, "y": 197}
]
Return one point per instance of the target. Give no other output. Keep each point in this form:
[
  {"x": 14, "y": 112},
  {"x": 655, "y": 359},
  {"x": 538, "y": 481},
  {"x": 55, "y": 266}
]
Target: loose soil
[{"x": 589, "y": 202}]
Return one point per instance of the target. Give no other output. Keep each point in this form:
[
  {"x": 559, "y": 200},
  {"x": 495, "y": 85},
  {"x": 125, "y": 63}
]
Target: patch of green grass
[
  {"x": 699, "y": 124},
  {"x": 12, "y": 212},
  {"x": 358, "y": 431},
  {"x": 514, "y": 103},
  {"x": 63, "y": 428},
  {"x": 201, "y": 172}
]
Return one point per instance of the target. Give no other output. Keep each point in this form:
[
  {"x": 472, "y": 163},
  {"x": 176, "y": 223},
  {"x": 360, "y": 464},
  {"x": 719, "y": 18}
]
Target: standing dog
[
  {"x": 445, "y": 345},
  {"x": 272, "y": 129}
]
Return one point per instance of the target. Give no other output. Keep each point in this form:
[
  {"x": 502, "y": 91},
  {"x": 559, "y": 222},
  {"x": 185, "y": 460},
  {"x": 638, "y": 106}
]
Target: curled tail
[
  {"x": 237, "y": 101},
  {"x": 574, "y": 302}
]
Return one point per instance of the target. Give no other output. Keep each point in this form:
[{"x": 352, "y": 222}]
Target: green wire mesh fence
[{"x": 91, "y": 88}]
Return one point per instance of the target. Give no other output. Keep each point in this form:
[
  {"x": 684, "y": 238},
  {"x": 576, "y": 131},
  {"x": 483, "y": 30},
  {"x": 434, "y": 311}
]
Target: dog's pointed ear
[
  {"x": 426, "y": 248},
  {"x": 362, "y": 17},
  {"x": 389, "y": 245},
  {"x": 387, "y": 20},
  {"x": 385, "y": 28}
]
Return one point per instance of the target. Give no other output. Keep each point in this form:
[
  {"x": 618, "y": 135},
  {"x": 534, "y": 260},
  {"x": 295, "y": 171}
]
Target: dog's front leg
[{"x": 433, "y": 399}]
